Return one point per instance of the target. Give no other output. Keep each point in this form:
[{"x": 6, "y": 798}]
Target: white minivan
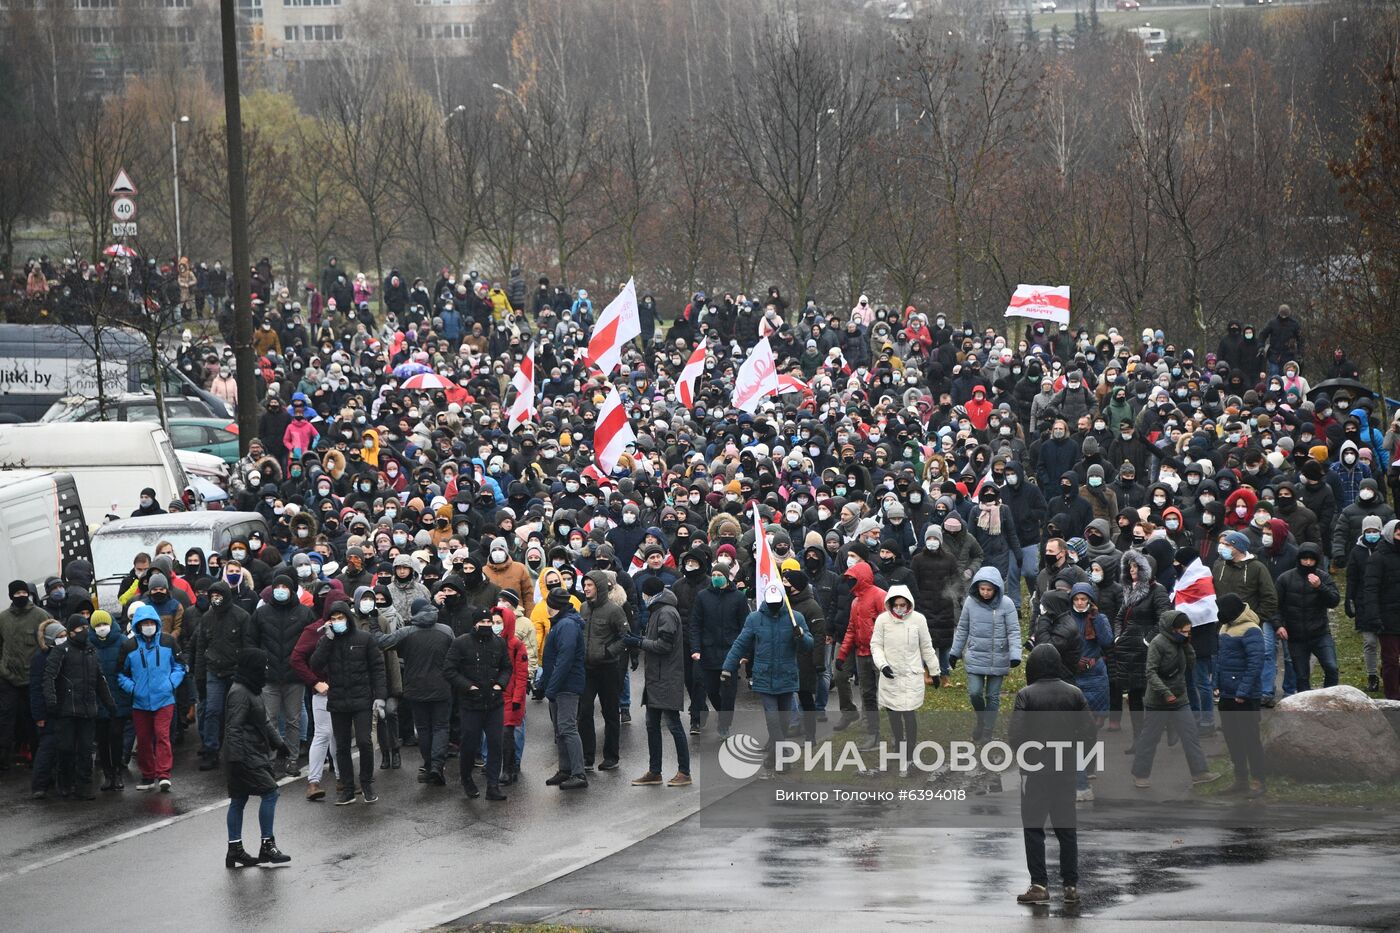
[
  {"x": 110, "y": 461},
  {"x": 42, "y": 525}
]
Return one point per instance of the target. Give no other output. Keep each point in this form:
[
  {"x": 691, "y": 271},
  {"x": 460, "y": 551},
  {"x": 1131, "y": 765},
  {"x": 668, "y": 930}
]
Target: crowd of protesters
[{"x": 936, "y": 494}]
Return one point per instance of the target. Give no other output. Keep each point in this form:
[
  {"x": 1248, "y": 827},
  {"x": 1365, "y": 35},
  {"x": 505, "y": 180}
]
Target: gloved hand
[
  {"x": 379, "y": 709},
  {"x": 1015, "y": 662},
  {"x": 796, "y": 635},
  {"x": 725, "y": 675},
  {"x": 515, "y": 707},
  {"x": 887, "y": 671},
  {"x": 327, "y": 631},
  {"x": 632, "y": 640},
  {"x": 284, "y": 751},
  {"x": 952, "y": 662},
  {"x": 636, "y": 660}
]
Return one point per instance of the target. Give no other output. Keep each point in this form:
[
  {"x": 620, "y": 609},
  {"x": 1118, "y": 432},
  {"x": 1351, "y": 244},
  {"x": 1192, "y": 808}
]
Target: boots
[
  {"x": 383, "y": 759},
  {"x": 395, "y": 760},
  {"x": 237, "y": 857},
  {"x": 270, "y": 856},
  {"x": 1373, "y": 684},
  {"x": 109, "y": 780}
]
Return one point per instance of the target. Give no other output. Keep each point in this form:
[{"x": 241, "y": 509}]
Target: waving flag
[
  {"x": 787, "y": 383},
  {"x": 690, "y": 375},
  {"x": 522, "y": 409},
  {"x": 757, "y": 379},
  {"x": 1194, "y": 595},
  {"x": 613, "y": 432},
  {"x": 765, "y": 571},
  {"x": 1041, "y": 302},
  {"x": 619, "y": 323}
]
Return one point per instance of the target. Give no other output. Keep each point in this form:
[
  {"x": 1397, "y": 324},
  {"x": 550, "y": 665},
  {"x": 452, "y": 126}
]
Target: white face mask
[
  {"x": 60, "y": 642},
  {"x": 366, "y": 606},
  {"x": 102, "y": 631},
  {"x": 933, "y": 544},
  {"x": 851, "y": 561},
  {"x": 148, "y": 630}
]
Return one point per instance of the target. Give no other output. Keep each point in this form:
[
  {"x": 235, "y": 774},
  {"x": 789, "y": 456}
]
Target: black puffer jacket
[
  {"x": 278, "y": 627},
  {"x": 1380, "y": 601},
  {"x": 422, "y": 645},
  {"x": 353, "y": 666},
  {"x": 219, "y": 636},
  {"x": 1136, "y": 625},
  {"x": 810, "y": 664},
  {"x": 474, "y": 667},
  {"x": 938, "y": 592},
  {"x": 1057, "y": 628},
  {"x": 715, "y": 622},
  {"x": 249, "y": 739},
  {"x": 74, "y": 685}
]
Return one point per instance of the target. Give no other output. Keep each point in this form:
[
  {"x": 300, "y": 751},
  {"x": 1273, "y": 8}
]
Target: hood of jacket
[
  {"x": 899, "y": 590},
  {"x": 863, "y": 576},
  {"x": 1043, "y": 664},
  {"x": 1170, "y": 621},
  {"x": 604, "y": 584},
  {"x": 988, "y": 575},
  {"x": 1055, "y": 602},
  {"x": 145, "y": 613}
]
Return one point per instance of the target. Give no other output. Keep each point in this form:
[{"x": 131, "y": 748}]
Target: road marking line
[{"x": 121, "y": 837}]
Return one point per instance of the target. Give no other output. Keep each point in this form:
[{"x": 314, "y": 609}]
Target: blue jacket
[
  {"x": 109, "y": 655},
  {"x": 151, "y": 669},
  {"x": 1372, "y": 437},
  {"x": 988, "y": 636},
  {"x": 767, "y": 642},
  {"x": 451, "y": 324},
  {"x": 1239, "y": 658},
  {"x": 563, "y": 656}
]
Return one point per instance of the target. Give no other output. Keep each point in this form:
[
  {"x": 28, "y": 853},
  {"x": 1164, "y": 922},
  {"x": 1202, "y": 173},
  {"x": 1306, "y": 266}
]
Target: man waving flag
[
  {"x": 613, "y": 432},
  {"x": 690, "y": 375},
  {"x": 619, "y": 324},
  {"x": 522, "y": 409}
]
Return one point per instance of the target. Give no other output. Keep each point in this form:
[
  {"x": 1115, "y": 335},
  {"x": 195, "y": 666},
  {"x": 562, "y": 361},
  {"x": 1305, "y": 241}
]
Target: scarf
[{"x": 989, "y": 517}]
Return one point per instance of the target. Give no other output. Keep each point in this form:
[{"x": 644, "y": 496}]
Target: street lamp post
[
  {"x": 831, "y": 111},
  {"x": 1334, "y": 28},
  {"x": 175, "y": 167},
  {"x": 460, "y": 108}
]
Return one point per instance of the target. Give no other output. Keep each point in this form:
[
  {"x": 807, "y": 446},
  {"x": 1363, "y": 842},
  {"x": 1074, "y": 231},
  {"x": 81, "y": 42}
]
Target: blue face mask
[
  {"x": 1227, "y": 552},
  {"x": 1372, "y": 537},
  {"x": 338, "y": 627}
]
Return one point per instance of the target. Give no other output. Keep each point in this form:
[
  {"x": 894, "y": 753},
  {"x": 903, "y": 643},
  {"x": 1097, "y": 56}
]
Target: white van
[
  {"x": 111, "y": 461},
  {"x": 42, "y": 525}
]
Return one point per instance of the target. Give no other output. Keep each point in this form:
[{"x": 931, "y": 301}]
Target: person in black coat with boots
[
  {"x": 249, "y": 741},
  {"x": 478, "y": 667},
  {"x": 356, "y": 690},
  {"x": 74, "y": 686}
]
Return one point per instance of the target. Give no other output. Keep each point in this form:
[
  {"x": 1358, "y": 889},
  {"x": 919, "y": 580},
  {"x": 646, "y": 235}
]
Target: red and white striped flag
[
  {"x": 619, "y": 323},
  {"x": 1041, "y": 302},
  {"x": 638, "y": 564},
  {"x": 788, "y": 383},
  {"x": 768, "y": 583},
  {"x": 522, "y": 409},
  {"x": 690, "y": 375},
  {"x": 613, "y": 431},
  {"x": 1194, "y": 595}
]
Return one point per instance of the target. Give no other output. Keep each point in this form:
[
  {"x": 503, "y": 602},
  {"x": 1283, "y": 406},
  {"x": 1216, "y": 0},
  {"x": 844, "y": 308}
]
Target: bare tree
[{"x": 87, "y": 147}]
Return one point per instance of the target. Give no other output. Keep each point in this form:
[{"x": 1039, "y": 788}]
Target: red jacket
[
  {"x": 979, "y": 410},
  {"x": 867, "y": 602},
  {"x": 301, "y": 654},
  {"x": 519, "y": 670},
  {"x": 1244, "y": 495}
]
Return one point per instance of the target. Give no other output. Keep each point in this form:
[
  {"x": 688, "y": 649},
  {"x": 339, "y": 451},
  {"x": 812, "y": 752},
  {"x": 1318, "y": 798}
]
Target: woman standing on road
[
  {"x": 902, "y": 650},
  {"x": 249, "y": 740}
]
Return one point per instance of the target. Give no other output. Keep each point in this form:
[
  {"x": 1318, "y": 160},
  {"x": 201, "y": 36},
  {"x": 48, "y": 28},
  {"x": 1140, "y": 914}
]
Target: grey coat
[
  {"x": 663, "y": 646},
  {"x": 988, "y": 637}
]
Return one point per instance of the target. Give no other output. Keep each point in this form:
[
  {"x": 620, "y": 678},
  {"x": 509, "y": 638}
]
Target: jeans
[
  {"x": 824, "y": 678},
  {"x": 1239, "y": 720},
  {"x": 430, "y": 721},
  {"x": 774, "y": 706},
  {"x": 1302, "y": 651},
  {"x": 984, "y": 690},
  {"x": 1269, "y": 677},
  {"x": 1371, "y": 652},
  {"x": 722, "y": 694},
  {"x": 603, "y": 684},
  {"x": 342, "y": 724},
  {"x": 625, "y": 701},
  {"x": 153, "y": 753},
  {"x": 563, "y": 713},
  {"x": 1025, "y": 564},
  {"x": 1154, "y": 724},
  {"x": 1202, "y": 692},
  {"x": 73, "y": 737},
  {"x": 211, "y": 723},
  {"x": 322, "y": 740},
  {"x": 673, "y": 723},
  {"x": 267, "y": 810},
  {"x": 284, "y": 702},
  {"x": 474, "y": 723}
]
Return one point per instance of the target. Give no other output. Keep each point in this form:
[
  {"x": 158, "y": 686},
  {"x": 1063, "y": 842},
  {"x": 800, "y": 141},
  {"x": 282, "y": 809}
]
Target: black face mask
[
  {"x": 20, "y": 602},
  {"x": 473, "y": 577},
  {"x": 482, "y": 632}
]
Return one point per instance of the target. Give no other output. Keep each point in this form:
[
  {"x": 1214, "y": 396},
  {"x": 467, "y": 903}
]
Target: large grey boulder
[{"x": 1331, "y": 736}]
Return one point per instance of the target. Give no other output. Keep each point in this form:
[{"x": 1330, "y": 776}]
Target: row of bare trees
[{"x": 728, "y": 146}]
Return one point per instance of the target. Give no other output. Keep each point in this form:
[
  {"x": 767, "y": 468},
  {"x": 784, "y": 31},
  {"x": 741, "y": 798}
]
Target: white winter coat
[{"x": 904, "y": 645}]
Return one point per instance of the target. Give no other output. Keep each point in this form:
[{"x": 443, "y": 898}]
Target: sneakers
[
  {"x": 423, "y": 777},
  {"x": 471, "y": 790},
  {"x": 680, "y": 780},
  {"x": 208, "y": 759},
  {"x": 314, "y": 791},
  {"x": 695, "y": 728},
  {"x": 557, "y": 778},
  {"x": 1205, "y": 777},
  {"x": 650, "y": 779},
  {"x": 147, "y": 784},
  {"x": 1373, "y": 683},
  {"x": 165, "y": 785},
  {"x": 1141, "y": 783},
  {"x": 1084, "y": 796},
  {"x": 574, "y": 783},
  {"x": 345, "y": 797},
  {"x": 1035, "y": 894},
  {"x": 609, "y": 764},
  {"x": 1071, "y": 894},
  {"x": 291, "y": 769},
  {"x": 367, "y": 792},
  {"x": 625, "y": 716},
  {"x": 437, "y": 778},
  {"x": 1239, "y": 787}
]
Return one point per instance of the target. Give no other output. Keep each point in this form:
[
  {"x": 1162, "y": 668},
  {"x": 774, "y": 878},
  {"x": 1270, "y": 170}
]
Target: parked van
[
  {"x": 41, "y": 524},
  {"x": 111, "y": 461},
  {"x": 42, "y": 363},
  {"x": 116, "y": 543}
]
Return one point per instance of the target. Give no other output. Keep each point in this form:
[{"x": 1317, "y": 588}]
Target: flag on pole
[
  {"x": 619, "y": 323},
  {"x": 690, "y": 375},
  {"x": 1194, "y": 595},
  {"x": 757, "y": 379},
  {"x": 787, "y": 383},
  {"x": 768, "y": 584},
  {"x": 522, "y": 409},
  {"x": 1041, "y": 302},
  {"x": 613, "y": 431}
]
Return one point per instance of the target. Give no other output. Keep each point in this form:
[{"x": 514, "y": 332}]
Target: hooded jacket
[
  {"x": 1380, "y": 600},
  {"x": 1144, "y": 605},
  {"x": 150, "y": 669},
  {"x": 1049, "y": 709},
  {"x": 476, "y": 667},
  {"x": 904, "y": 645},
  {"x": 519, "y": 668},
  {"x": 249, "y": 736},
  {"x": 663, "y": 649},
  {"x": 867, "y": 602},
  {"x": 563, "y": 661},
  {"x": 1239, "y": 660},
  {"x": 422, "y": 646},
  {"x": 988, "y": 636},
  {"x": 1055, "y": 625},
  {"x": 221, "y": 634},
  {"x": 352, "y": 665},
  {"x": 605, "y": 622},
  {"x": 715, "y": 621},
  {"x": 278, "y": 626},
  {"x": 1170, "y": 663},
  {"x": 74, "y": 685},
  {"x": 771, "y": 639},
  {"x": 1348, "y": 527},
  {"x": 19, "y": 640},
  {"x": 1303, "y": 608}
]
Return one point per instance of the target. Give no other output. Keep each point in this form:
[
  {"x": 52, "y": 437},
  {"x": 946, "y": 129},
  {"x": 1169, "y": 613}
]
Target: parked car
[
  {"x": 128, "y": 407},
  {"x": 1126, "y": 5},
  {"x": 115, "y": 543},
  {"x": 1047, "y": 6},
  {"x": 217, "y": 436}
]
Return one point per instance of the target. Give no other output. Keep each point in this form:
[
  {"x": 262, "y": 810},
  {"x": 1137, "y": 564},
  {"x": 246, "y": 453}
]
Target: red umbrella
[
  {"x": 118, "y": 249},
  {"x": 426, "y": 381}
]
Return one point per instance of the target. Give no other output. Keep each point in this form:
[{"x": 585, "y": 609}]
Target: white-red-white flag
[
  {"x": 522, "y": 409},
  {"x": 690, "y": 375},
  {"x": 613, "y": 432},
  {"x": 768, "y": 583},
  {"x": 1041, "y": 302},
  {"x": 757, "y": 378},
  {"x": 790, "y": 383},
  {"x": 1194, "y": 595},
  {"x": 619, "y": 323}
]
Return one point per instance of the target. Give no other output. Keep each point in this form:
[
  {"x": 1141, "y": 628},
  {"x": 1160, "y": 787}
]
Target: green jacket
[
  {"x": 1251, "y": 582},
  {"x": 19, "y": 639},
  {"x": 1169, "y": 665}
]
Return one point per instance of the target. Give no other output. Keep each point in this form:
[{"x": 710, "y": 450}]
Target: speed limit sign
[{"x": 123, "y": 209}]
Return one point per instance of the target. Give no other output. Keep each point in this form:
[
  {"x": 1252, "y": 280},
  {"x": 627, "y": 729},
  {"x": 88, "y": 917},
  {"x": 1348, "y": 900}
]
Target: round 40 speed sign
[{"x": 123, "y": 209}]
